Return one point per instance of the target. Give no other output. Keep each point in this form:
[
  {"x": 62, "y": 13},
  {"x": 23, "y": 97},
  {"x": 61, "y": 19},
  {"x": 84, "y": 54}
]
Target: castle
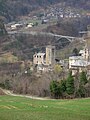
[{"x": 45, "y": 61}]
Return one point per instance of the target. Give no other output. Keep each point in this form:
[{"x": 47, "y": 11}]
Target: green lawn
[{"x": 20, "y": 108}]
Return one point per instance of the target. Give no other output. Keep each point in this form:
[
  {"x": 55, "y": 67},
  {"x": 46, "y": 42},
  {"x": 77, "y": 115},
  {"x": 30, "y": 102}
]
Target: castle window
[{"x": 53, "y": 51}]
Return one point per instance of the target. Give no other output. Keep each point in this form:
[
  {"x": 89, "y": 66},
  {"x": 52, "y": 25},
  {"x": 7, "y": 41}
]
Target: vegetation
[
  {"x": 2, "y": 7},
  {"x": 75, "y": 52},
  {"x": 8, "y": 58},
  {"x": 2, "y": 28},
  {"x": 24, "y": 46},
  {"x": 83, "y": 78},
  {"x": 71, "y": 87},
  {"x": 55, "y": 89},
  {"x": 69, "y": 27},
  {"x": 70, "y": 84},
  {"x": 81, "y": 91},
  {"x": 20, "y": 108},
  {"x": 11, "y": 9}
]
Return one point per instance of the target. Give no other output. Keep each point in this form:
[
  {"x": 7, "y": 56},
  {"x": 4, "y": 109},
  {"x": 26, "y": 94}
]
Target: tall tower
[
  {"x": 50, "y": 55},
  {"x": 86, "y": 54},
  {"x": 87, "y": 38}
]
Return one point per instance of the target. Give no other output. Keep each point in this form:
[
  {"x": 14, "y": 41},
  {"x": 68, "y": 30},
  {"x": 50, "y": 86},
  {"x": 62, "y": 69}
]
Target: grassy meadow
[{"x": 21, "y": 108}]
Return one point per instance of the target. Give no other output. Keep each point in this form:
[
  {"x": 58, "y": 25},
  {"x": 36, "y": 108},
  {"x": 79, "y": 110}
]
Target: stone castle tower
[
  {"x": 50, "y": 55},
  {"x": 87, "y": 38}
]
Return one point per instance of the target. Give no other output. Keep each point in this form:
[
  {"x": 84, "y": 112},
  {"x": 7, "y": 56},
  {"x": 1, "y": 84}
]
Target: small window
[{"x": 40, "y": 56}]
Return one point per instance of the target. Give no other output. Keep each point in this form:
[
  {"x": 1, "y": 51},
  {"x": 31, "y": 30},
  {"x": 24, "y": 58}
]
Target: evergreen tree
[
  {"x": 83, "y": 78},
  {"x": 2, "y": 28},
  {"x": 63, "y": 86},
  {"x": 70, "y": 84},
  {"x": 55, "y": 89},
  {"x": 81, "y": 92},
  {"x": 75, "y": 51}
]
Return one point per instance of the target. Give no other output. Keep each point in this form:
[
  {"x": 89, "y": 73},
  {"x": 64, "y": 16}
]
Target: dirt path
[{"x": 7, "y": 92}]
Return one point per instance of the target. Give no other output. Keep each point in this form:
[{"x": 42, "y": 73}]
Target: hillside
[
  {"x": 12, "y": 9},
  {"x": 69, "y": 27},
  {"x": 35, "y": 3}
]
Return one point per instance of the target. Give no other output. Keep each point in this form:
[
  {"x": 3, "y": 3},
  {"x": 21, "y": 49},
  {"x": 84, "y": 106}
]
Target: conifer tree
[
  {"x": 83, "y": 78},
  {"x": 55, "y": 89},
  {"x": 70, "y": 84}
]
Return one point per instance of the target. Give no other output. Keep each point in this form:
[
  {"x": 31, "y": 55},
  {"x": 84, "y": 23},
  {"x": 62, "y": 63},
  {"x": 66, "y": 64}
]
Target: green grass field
[{"x": 20, "y": 108}]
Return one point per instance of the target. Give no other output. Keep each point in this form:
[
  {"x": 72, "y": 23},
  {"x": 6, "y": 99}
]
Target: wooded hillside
[{"x": 13, "y": 8}]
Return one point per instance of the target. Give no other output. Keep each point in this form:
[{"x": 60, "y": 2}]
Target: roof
[
  {"x": 82, "y": 51},
  {"x": 81, "y": 63},
  {"x": 39, "y": 54},
  {"x": 50, "y": 46},
  {"x": 76, "y": 57}
]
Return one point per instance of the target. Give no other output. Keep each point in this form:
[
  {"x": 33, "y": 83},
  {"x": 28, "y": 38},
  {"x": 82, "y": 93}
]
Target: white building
[
  {"x": 15, "y": 26},
  {"x": 30, "y": 25},
  {"x": 73, "y": 60},
  {"x": 77, "y": 63}
]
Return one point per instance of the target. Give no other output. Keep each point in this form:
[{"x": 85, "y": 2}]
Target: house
[
  {"x": 82, "y": 62},
  {"x": 78, "y": 64},
  {"x": 30, "y": 25},
  {"x": 16, "y": 26},
  {"x": 73, "y": 60}
]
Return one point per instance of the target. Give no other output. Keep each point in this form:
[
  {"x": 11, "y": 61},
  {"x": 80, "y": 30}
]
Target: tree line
[{"x": 72, "y": 87}]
